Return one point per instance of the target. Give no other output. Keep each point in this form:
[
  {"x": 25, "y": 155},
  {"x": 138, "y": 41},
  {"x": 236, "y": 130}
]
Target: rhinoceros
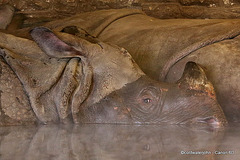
[
  {"x": 161, "y": 48},
  {"x": 58, "y": 77}
]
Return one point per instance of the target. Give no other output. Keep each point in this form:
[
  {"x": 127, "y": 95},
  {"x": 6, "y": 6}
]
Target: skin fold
[
  {"x": 84, "y": 80},
  {"x": 162, "y": 47}
]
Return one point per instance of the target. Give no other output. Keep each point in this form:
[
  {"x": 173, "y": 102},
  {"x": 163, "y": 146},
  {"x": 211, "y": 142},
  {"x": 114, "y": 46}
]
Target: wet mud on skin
[{"x": 118, "y": 142}]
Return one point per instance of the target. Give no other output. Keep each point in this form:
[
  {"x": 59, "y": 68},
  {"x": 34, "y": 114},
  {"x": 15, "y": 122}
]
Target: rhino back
[{"x": 153, "y": 42}]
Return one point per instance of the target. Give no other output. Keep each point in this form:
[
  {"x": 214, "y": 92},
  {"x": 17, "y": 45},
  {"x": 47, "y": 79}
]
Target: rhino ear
[
  {"x": 194, "y": 78},
  {"x": 52, "y": 45}
]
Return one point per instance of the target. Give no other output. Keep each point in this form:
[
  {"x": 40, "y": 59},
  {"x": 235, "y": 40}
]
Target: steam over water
[{"x": 118, "y": 142}]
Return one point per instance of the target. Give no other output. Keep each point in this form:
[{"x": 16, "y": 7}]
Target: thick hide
[
  {"x": 162, "y": 42},
  {"x": 162, "y": 47},
  {"x": 68, "y": 78},
  {"x": 52, "y": 85},
  {"x": 81, "y": 79}
]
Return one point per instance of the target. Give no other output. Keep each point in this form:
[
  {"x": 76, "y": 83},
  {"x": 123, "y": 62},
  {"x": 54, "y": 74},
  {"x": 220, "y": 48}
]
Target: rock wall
[{"x": 156, "y": 8}]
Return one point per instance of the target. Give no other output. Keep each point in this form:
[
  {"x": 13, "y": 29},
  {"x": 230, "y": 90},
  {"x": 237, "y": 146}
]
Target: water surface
[{"x": 119, "y": 142}]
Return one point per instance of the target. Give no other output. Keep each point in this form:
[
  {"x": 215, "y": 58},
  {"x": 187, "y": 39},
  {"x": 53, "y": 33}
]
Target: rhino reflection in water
[
  {"x": 59, "y": 77},
  {"x": 116, "y": 142}
]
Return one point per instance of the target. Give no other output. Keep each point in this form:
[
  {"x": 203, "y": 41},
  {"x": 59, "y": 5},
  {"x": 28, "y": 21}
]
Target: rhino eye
[
  {"x": 147, "y": 105},
  {"x": 147, "y": 100}
]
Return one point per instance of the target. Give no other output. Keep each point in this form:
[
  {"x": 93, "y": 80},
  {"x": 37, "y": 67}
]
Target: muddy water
[{"x": 119, "y": 142}]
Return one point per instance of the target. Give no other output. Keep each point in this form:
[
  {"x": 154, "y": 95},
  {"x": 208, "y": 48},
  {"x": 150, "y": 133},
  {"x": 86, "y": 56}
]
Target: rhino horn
[
  {"x": 195, "y": 79},
  {"x": 53, "y": 46}
]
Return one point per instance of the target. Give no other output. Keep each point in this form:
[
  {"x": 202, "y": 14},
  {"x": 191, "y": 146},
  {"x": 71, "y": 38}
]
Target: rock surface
[{"x": 157, "y": 8}]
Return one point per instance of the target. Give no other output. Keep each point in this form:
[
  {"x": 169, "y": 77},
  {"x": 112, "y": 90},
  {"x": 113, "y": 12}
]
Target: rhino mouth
[{"x": 211, "y": 121}]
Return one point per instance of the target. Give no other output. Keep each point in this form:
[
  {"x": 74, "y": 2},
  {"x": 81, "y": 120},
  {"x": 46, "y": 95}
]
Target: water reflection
[{"x": 117, "y": 142}]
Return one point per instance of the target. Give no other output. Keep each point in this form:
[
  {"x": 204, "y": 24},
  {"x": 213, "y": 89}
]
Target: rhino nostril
[{"x": 210, "y": 120}]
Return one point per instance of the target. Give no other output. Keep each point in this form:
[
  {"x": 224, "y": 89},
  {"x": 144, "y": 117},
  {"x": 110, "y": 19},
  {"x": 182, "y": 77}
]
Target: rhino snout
[{"x": 212, "y": 121}]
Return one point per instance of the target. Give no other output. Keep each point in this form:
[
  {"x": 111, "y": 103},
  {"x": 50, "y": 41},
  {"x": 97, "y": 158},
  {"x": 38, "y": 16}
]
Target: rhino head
[{"x": 121, "y": 93}]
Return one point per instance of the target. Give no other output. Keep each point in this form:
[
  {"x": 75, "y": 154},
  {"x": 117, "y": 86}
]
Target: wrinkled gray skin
[
  {"x": 220, "y": 60},
  {"x": 120, "y": 92},
  {"x": 143, "y": 37}
]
